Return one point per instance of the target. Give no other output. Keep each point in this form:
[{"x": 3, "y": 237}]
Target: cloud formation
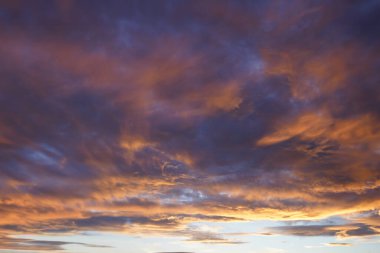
[
  {"x": 339, "y": 244},
  {"x": 366, "y": 224},
  {"x": 40, "y": 245},
  {"x": 348, "y": 230},
  {"x": 143, "y": 117}
]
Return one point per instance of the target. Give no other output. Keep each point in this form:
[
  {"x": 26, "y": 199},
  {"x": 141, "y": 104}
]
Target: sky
[{"x": 189, "y": 126}]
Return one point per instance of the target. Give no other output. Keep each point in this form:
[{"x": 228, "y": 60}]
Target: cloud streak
[{"x": 40, "y": 245}]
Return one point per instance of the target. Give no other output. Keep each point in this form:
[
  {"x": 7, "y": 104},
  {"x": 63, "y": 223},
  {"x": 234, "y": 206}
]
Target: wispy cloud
[
  {"x": 339, "y": 244},
  {"x": 9, "y": 243},
  {"x": 346, "y": 230}
]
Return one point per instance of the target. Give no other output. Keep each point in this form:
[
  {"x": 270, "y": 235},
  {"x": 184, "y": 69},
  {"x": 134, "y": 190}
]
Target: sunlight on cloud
[{"x": 181, "y": 119}]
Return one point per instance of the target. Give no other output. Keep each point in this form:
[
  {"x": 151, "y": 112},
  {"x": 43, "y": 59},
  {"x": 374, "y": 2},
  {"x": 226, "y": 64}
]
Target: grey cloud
[
  {"x": 345, "y": 230},
  {"x": 339, "y": 244},
  {"x": 9, "y": 243}
]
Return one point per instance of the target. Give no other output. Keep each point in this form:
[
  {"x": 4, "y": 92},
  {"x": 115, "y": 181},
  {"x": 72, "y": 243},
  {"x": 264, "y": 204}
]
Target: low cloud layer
[
  {"x": 339, "y": 244},
  {"x": 348, "y": 230},
  {"x": 7, "y": 243},
  {"x": 144, "y": 117},
  {"x": 365, "y": 224}
]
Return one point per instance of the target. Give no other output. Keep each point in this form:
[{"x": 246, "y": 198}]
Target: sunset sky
[{"x": 189, "y": 126}]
